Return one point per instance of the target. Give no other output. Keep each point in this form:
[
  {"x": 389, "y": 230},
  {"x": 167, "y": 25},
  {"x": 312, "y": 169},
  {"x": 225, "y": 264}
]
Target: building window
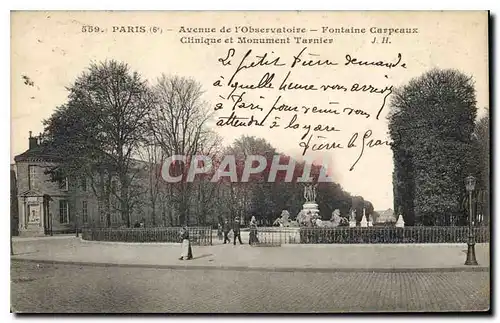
[
  {"x": 63, "y": 184},
  {"x": 63, "y": 211},
  {"x": 84, "y": 184},
  {"x": 31, "y": 176},
  {"x": 85, "y": 215}
]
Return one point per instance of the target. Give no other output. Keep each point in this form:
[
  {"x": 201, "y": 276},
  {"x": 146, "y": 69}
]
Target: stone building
[
  {"x": 44, "y": 206},
  {"x": 14, "y": 208},
  {"x": 47, "y": 207}
]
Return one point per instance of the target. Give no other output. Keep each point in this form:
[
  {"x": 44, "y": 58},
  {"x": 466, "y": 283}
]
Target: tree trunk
[
  {"x": 153, "y": 215},
  {"x": 107, "y": 210},
  {"x": 124, "y": 202}
]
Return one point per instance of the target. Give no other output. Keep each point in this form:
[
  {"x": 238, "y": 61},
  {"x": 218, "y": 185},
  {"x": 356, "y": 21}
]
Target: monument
[{"x": 310, "y": 204}]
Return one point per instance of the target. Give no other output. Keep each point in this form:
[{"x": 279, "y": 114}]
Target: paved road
[
  {"x": 337, "y": 256},
  {"x": 71, "y": 288}
]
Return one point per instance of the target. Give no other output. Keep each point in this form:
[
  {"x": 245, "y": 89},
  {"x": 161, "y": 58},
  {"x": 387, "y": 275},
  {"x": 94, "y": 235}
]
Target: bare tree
[
  {"x": 178, "y": 123},
  {"x": 152, "y": 155}
]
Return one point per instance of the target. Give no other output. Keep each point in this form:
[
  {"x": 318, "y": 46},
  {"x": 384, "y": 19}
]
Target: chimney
[{"x": 33, "y": 141}]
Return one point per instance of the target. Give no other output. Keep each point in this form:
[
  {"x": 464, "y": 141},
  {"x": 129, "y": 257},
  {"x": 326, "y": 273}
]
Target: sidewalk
[{"x": 314, "y": 258}]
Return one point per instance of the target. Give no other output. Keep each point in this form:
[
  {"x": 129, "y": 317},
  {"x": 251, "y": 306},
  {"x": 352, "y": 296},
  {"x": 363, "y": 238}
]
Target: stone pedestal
[
  {"x": 400, "y": 223},
  {"x": 370, "y": 223},
  {"x": 310, "y": 206},
  {"x": 352, "y": 224}
]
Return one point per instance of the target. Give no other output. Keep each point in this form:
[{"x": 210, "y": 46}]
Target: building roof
[{"x": 38, "y": 153}]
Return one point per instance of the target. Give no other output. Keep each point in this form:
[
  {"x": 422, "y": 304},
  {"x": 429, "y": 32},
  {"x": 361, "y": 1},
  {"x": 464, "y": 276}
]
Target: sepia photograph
[{"x": 257, "y": 162}]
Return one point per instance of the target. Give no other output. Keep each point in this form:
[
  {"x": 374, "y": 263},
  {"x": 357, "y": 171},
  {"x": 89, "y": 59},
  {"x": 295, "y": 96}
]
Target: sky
[{"x": 52, "y": 49}]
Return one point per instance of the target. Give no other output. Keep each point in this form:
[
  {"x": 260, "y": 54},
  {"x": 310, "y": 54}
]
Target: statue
[
  {"x": 310, "y": 193},
  {"x": 283, "y": 220},
  {"x": 353, "y": 215},
  {"x": 336, "y": 219},
  {"x": 352, "y": 218},
  {"x": 305, "y": 217},
  {"x": 300, "y": 217},
  {"x": 309, "y": 219}
]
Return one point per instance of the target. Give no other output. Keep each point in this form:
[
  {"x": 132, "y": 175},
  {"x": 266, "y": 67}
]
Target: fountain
[{"x": 310, "y": 205}]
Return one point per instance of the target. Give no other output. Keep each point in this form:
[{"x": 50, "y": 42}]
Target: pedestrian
[
  {"x": 253, "y": 232},
  {"x": 236, "y": 230},
  {"x": 219, "y": 231},
  {"x": 226, "y": 228},
  {"x": 186, "y": 252}
]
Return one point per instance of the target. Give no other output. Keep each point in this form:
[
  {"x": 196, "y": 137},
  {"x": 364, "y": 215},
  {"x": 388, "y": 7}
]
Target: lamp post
[
  {"x": 76, "y": 225},
  {"x": 470, "y": 183}
]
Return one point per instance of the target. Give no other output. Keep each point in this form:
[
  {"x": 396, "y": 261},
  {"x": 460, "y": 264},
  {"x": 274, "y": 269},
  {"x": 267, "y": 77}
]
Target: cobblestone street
[{"x": 74, "y": 288}]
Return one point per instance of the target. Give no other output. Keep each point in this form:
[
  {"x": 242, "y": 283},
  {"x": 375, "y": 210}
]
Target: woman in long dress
[
  {"x": 253, "y": 232},
  {"x": 186, "y": 253}
]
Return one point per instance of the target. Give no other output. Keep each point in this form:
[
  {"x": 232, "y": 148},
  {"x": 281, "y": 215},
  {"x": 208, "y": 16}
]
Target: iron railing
[
  {"x": 276, "y": 236},
  {"x": 198, "y": 235},
  {"x": 346, "y": 235}
]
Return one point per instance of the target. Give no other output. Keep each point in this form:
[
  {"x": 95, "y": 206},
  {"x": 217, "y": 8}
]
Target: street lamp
[
  {"x": 470, "y": 183},
  {"x": 76, "y": 225}
]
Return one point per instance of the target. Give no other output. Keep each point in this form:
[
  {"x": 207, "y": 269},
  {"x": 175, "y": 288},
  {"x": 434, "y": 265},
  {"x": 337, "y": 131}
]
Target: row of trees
[
  {"x": 436, "y": 144},
  {"x": 116, "y": 129}
]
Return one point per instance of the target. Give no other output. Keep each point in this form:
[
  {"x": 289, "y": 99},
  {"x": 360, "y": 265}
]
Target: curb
[
  {"x": 261, "y": 269},
  {"x": 121, "y": 243},
  {"x": 44, "y": 238},
  {"x": 384, "y": 245}
]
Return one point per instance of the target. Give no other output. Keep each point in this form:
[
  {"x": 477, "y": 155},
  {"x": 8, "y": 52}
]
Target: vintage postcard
[{"x": 250, "y": 162}]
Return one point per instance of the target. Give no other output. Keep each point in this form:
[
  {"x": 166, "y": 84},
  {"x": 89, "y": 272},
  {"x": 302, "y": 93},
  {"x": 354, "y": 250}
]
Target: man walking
[
  {"x": 227, "y": 228},
  {"x": 236, "y": 230},
  {"x": 219, "y": 231}
]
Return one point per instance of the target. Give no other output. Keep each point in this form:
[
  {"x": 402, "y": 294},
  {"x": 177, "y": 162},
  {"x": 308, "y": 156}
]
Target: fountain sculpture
[{"x": 310, "y": 206}]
